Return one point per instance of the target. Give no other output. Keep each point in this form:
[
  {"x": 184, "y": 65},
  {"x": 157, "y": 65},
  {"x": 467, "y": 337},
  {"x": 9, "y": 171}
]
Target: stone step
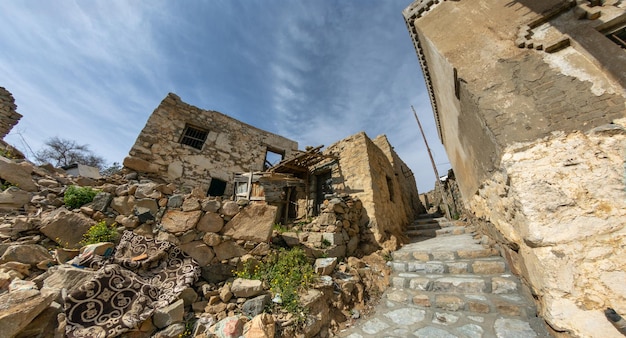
[
  {"x": 428, "y": 221},
  {"x": 424, "y": 232},
  {"x": 471, "y": 284},
  {"x": 416, "y": 254},
  {"x": 424, "y": 226},
  {"x": 510, "y": 304},
  {"x": 453, "y": 230},
  {"x": 427, "y": 216},
  {"x": 482, "y": 266}
]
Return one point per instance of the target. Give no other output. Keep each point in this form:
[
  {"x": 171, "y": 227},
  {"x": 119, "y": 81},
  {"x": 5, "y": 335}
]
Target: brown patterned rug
[{"x": 143, "y": 275}]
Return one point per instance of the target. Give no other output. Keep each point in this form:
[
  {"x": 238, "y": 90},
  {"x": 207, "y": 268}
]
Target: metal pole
[{"x": 438, "y": 183}]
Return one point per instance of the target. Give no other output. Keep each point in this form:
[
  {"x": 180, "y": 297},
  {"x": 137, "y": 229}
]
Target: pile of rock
[
  {"x": 39, "y": 235},
  {"x": 335, "y": 233}
]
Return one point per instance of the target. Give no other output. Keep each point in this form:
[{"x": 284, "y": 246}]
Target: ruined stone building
[
  {"x": 529, "y": 102},
  {"x": 8, "y": 114},
  {"x": 205, "y": 149},
  {"x": 374, "y": 173},
  {"x": 194, "y": 147}
]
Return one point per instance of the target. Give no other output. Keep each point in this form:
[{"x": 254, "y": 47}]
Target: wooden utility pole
[{"x": 438, "y": 182}]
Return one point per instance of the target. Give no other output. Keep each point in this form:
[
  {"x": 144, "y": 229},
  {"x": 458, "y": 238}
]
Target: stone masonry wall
[
  {"x": 8, "y": 116},
  {"x": 490, "y": 93},
  {"x": 530, "y": 101},
  {"x": 365, "y": 171},
  {"x": 231, "y": 146},
  {"x": 405, "y": 178}
]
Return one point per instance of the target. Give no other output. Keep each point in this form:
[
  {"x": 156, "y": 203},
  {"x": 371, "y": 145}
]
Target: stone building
[
  {"x": 8, "y": 116},
  {"x": 195, "y": 147},
  {"x": 529, "y": 102},
  {"x": 373, "y": 172}
]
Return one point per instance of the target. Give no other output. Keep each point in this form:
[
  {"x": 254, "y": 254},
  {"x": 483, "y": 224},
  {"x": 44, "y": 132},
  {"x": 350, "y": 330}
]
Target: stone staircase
[{"x": 447, "y": 284}]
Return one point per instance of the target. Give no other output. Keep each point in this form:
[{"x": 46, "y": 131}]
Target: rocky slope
[{"x": 41, "y": 251}]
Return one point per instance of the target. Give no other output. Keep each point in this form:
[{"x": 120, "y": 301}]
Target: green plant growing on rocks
[
  {"x": 280, "y": 228},
  {"x": 287, "y": 272},
  {"x": 76, "y": 196},
  {"x": 325, "y": 243},
  {"x": 388, "y": 257},
  {"x": 100, "y": 232},
  {"x": 4, "y": 185}
]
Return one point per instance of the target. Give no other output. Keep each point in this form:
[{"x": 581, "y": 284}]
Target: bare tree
[{"x": 62, "y": 152}]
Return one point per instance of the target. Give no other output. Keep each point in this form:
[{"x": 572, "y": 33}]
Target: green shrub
[
  {"x": 287, "y": 272},
  {"x": 100, "y": 232},
  {"x": 4, "y": 185},
  {"x": 76, "y": 196},
  {"x": 280, "y": 228}
]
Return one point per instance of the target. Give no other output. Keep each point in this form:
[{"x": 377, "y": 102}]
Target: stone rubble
[{"x": 39, "y": 236}]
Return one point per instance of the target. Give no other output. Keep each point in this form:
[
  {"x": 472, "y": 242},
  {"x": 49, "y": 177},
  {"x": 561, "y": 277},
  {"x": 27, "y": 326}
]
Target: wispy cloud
[{"x": 313, "y": 71}]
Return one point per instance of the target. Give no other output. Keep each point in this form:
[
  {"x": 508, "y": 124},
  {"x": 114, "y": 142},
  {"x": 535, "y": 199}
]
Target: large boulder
[
  {"x": 246, "y": 287},
  {"x": 199, "y": 251},
  {"x": 124, "y": 205},
  {"x": 31, "y": 254},
  {"x": 169, "y": 315},
  {"x": 253, "y": 223},
  {"x": 261, "y": 326},
  {"x": 19, "y": 308},
  {"x": 66, "y": 277},
  {"x": 140, "y": 165},
  {"x": 227, "y": 250},
  {"x": 176, "y": 221},
  {"x": 210, "y": 222},
  {"x": 14, "y": 198},
  {"x": 65, "y": 227},
  {"x": 18, "y": 174}
]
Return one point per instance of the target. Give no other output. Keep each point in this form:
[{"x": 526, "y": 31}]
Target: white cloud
[{"x": 315, "y": 72}]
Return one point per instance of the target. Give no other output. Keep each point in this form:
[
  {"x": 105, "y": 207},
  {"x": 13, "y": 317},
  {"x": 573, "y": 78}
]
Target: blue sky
[{"x": 312, "y": 71}]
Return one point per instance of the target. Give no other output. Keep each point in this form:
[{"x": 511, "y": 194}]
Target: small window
[
  {"x": 272, "y": 157},
  {"x": 390, "y": 188},
  {"x": 217, "y": 187},
  {"x": 194, "y": 137},
  {"x": 618, "y": 36}
]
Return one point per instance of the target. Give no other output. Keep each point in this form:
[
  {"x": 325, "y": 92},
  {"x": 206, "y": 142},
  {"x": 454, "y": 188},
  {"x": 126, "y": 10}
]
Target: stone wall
[
  {"x": 404, "y": 176},
  {"x": 495, "y": 93},
  {"x": 390, "y": 202},
  {"x": 231, "y": 146},
  {"x": 8, "y": 116},
  {"x": 529, "y": 98}
]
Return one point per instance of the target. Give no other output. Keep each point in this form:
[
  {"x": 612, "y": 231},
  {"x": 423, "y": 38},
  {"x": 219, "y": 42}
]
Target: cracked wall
[{"x": 529, "y": 98}]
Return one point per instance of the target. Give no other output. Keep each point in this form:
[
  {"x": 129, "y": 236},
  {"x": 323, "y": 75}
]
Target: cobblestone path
[{"x": 450, "y": 286}]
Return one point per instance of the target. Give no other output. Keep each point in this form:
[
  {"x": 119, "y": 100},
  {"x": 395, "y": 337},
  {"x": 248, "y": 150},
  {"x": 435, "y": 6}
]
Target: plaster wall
[
  {"x": 509, "y": 94},
  {"x": 537, "y": 142}
]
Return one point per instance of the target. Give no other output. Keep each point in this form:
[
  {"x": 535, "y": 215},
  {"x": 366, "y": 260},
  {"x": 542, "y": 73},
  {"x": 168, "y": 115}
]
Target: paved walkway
[{"x": 450, "y": 286}]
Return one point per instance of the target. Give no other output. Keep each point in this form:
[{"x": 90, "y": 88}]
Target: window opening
[
  {"x": 323, "y": 187},
  {"x": 272, "y": 158},
  {"x": 194, "y": 137},
  {"x": 390, "y": 188},
  {"x": 618, "y": 36},
  {"x": 217, "y": 187}
]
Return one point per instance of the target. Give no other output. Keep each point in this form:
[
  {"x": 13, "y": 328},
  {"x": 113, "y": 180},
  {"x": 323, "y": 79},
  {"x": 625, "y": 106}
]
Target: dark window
[
  {"x": 390, "y": 188},
  {"x": 217, "y": 187},
  {"x": 194, "y": 137},
  {"x": 272, "y": 157},
  {"x": 618, "y": 36}
]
